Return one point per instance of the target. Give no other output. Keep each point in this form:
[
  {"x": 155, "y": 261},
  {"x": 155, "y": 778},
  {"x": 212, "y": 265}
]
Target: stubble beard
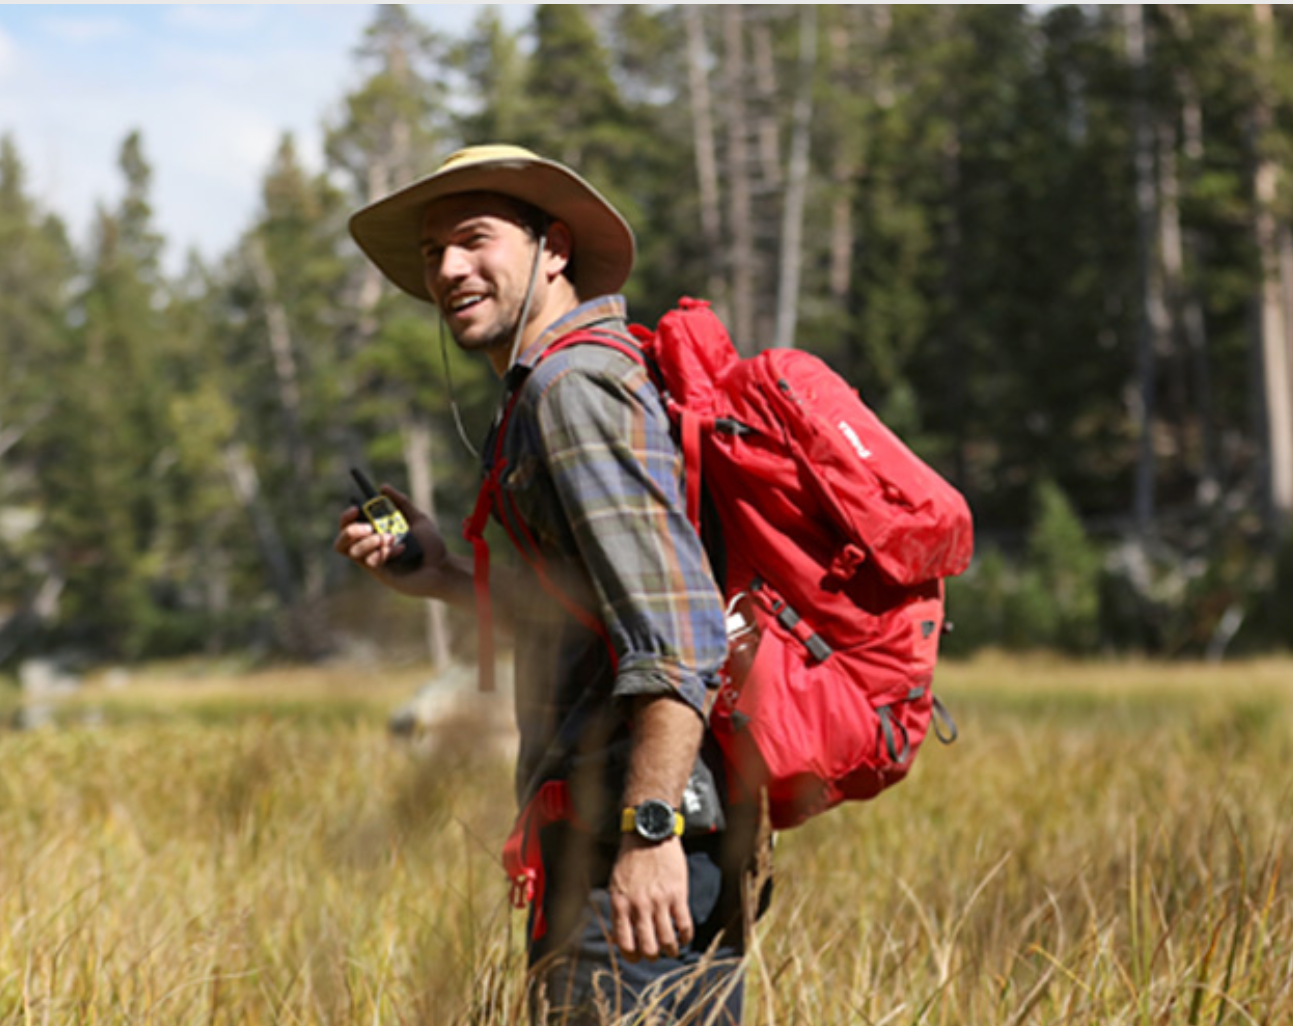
[{"x": 496, "y": 337}]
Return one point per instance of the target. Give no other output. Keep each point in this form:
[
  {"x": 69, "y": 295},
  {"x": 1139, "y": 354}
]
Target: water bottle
[{"x": 742, "y": 640}]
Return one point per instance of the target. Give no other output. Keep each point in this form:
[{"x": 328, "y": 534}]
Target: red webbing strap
[
  {"x": 689, "y": 428},
  {"x": 474, "y": 531},
  {"x": 522, "y": 854},
  {"x": 601, "y": 338}
]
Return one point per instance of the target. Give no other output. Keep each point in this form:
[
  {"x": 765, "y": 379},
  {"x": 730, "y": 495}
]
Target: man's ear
[{"x": 559, "y": 247}]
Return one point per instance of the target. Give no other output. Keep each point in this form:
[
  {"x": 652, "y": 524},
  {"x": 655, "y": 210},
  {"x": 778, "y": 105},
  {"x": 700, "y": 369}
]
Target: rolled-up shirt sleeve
[{"x": 615, "y": 468}]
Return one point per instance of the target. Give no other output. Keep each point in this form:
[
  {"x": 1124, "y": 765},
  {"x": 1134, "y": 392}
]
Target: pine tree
[
  {"x": 36, "y": 270},
  {"x": 105, "y": 455}
]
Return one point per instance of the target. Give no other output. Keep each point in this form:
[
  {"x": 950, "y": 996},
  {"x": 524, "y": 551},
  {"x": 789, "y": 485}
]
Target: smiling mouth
[{"x": 462, "y": 303}]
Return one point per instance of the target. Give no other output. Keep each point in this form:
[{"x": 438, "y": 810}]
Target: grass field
[{"x": 1105, "y": 844}]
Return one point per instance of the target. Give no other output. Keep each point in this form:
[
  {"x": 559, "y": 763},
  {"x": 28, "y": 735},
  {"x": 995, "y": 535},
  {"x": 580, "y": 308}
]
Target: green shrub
[{"x": 1048, "y": 599}]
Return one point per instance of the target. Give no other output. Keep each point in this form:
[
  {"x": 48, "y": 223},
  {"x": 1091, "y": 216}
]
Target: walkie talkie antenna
[{"x": 366, "y": 487}]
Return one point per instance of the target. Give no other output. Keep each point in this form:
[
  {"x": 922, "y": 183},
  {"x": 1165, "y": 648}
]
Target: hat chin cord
[
  {"x": 511, "y": 359},
  {"x": 529, "y": 296}
]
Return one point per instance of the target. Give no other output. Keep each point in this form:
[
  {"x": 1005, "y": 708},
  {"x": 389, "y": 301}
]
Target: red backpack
[
  {"x": 841, "y": 538},
  {"x": 834, "y": 534}
]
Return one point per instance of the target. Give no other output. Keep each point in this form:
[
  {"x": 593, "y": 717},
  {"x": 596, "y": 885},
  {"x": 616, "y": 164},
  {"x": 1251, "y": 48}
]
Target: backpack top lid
[{"x": 692, "y": 351}]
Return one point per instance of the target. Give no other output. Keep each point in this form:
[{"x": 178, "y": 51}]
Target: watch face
[{"x": 655, "y": 820}]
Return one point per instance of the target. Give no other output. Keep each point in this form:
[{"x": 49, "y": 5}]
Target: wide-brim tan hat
[{"x": 389, "y": 231}]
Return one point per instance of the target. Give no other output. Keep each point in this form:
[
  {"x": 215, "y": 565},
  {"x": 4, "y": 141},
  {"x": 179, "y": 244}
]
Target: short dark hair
[{"x": 535, "y": 221}]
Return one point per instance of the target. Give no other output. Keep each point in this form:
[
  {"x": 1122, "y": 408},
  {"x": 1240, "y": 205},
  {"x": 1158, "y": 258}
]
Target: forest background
[{"x": 1052, "y": 246}]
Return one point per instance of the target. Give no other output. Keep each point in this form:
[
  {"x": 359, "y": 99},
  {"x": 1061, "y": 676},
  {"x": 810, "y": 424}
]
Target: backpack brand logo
[{"x": 846, "y": 429}]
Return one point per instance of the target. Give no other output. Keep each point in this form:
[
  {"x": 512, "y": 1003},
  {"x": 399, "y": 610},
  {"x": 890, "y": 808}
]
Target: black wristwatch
[{"x": 653, "y": 821}]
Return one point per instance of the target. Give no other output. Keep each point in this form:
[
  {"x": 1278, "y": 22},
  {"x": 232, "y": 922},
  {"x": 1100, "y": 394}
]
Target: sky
[{"x": 212, "y": 88}]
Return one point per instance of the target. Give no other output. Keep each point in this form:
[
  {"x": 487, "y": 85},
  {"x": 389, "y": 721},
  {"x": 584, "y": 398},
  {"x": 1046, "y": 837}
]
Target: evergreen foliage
[{"x": 977, "y": 254}]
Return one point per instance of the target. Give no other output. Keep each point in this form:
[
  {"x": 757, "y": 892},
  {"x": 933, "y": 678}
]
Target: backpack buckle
[{"x": 795, "y": 625}]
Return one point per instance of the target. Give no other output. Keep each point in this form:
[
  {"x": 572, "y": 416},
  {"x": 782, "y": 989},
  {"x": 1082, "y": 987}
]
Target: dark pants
[{"x": 577, "y": 974}]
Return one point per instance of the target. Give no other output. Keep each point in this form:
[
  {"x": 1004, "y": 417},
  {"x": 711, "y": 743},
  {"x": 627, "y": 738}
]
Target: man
[{"x": 639, "y": 902}]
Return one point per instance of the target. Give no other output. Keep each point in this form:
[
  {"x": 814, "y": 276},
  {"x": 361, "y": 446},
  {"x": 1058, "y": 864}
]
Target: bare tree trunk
[
  {"x": 415, "y": 430},
  {"x": 1178, "y": 254},
  {"x": 792, "y": 220},
  {"x": 1279, "y": 390},
  {"x": 1277, "y": 376},
  {"x": 767, "y": 102},
  {"x": 740, "y": 203},
  {"x": 1171, "y": 248},
  {"x": 1194, "y": 324},
  {"x": 313, "y": 570},
  {"x": 1153, "y": 329},
  {"x": 282, "y": 352},
  {"x": 843, "y": 170},
  {"x": 702, "y": 115},
  {"x": 245, "y": 483}
]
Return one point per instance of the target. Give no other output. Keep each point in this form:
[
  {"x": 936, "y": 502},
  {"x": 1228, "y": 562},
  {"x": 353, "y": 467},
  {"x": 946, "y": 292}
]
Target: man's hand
[
  {"x": 649, "y": 911},
  {"x": 436, "y": 577}
]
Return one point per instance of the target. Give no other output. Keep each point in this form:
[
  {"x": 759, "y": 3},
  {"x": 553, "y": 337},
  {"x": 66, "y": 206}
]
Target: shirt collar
[{"x": 594, "y": 313}]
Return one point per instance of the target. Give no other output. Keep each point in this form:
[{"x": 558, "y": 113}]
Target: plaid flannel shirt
[{"x": 593, "y": 481}]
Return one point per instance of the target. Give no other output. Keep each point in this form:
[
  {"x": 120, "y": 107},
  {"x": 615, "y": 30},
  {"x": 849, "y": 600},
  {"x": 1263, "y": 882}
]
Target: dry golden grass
[{"x": 1104, "y": 845}]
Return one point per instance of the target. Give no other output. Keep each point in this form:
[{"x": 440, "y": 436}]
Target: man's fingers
[
  {"x": 623, "y": 933},
  {"x": 686, "y": 929},
  {"x": 644, "y": 928},
  {"x": 359, "y": 542},
  {"x": 663, "y": 933},
  {"x": 351, "y": 533},
  {"x": 650, "y": 930}
]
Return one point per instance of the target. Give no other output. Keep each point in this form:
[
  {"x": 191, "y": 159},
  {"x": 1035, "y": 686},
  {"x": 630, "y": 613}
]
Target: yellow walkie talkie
[{"x": 386, "y": 518}]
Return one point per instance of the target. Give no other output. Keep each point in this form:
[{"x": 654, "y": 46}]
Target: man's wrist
[{"x": 653, "y": 820}]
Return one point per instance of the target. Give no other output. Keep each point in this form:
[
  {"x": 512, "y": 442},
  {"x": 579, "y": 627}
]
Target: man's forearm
[{"x": 666, "y": 739}]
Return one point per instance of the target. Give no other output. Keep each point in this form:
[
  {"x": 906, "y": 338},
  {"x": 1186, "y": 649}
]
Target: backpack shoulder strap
[
  {"x": 602, "y": 337},
  {"x": 689, "y": 425}
]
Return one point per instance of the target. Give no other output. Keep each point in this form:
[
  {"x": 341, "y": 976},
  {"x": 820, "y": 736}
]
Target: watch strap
[{"x": 629, "y": 821}]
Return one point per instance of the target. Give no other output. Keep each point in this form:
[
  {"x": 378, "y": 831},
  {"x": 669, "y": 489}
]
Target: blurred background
[{"x": 1051, "y": 245}]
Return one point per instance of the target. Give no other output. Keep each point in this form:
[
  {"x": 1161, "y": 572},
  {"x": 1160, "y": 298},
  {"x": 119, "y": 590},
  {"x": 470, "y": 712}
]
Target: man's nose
[{"x": 453, "y": 264}]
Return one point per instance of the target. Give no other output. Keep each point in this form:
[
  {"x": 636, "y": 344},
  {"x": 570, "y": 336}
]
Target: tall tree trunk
[
  {"x": 244, "y": 481},
  {"x": 1180, "y": 252},
  {"x": 1276, "y": 374},
  {"x": 1279, "y": 390},
  {"x": 312, "y": 562},
  {"x": 702, "y": 126},
  {"x": 739, "y": 194},
  {"x": 843, "y": 171},
  {"x": 1192, "y": 320},
  {"x": 283, "y": 358},
  {"x": 766, "y": 100},
  {"x": 415, "y": 431},
  {"x": 1153, "y": 319},
  {"x": 792, "y": 221}
]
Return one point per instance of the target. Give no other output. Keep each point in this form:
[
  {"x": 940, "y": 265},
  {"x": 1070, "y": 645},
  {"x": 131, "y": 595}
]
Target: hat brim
[{"x": 389, "y": 231}]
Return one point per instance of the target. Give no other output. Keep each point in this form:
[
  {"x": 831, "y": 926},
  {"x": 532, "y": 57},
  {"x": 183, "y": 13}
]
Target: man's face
[{"x": 478, "y": 259}]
